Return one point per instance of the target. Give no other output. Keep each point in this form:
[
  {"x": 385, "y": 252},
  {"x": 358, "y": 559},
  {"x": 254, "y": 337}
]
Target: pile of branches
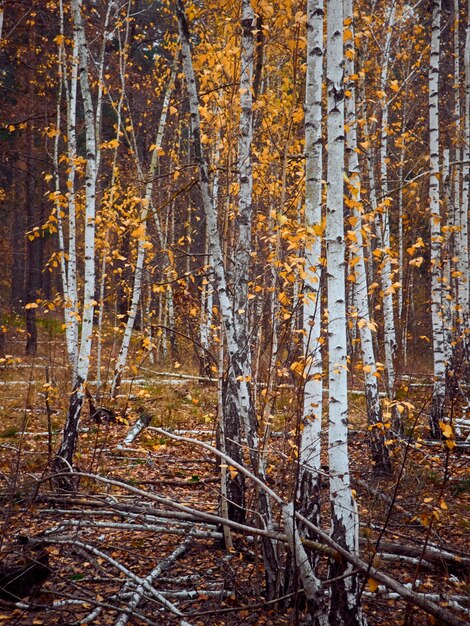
[{"x": 156, "y": 597}]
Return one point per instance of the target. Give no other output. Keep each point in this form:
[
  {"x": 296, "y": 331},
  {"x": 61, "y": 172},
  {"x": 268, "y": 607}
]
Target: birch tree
[
  {"x": 142, "y": 244},
  {"x": 67, "y": 253},
  {"x": 380, "y": 452},
  {"x": 383, "y": 220},
  {"x": 309, "y": 489},
  {"x": 344, "y": 608},
  {"x": 438, "y": 398},
  {"x": 67, "y": 447},
  {"x": 462, "y": 252},
  {"x": 238, "y": 407}
]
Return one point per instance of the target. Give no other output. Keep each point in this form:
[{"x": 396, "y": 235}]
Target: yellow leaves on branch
[
  {"x": 369, "y": 323},
  {"x": 419, "y": 243},
  {"x": 417, "y": 262},
  {"x": 448, "y": 434},
  {"x": 392, "y": 288},
  {"x": 159, "y": 149}
]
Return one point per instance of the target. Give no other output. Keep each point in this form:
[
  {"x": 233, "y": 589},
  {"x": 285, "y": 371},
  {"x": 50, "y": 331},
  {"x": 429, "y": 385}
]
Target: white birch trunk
[
  {"x": 390, "y": 340},
  {"x": 238, "y": 401},
  {"x": 446, "y": 262},
  {"x": 122, "y": 74},
  {"x": 401, "y": 218},
  {"x": 207, "y": 292},
  {"x": 309, "y": 489},
  {"x": 71, "y": 91},
  {"x": 314, "y": 591},
  {"x": 68, "y": 260},
  {"x": 437, "y": 409},
  {"x": 380, "y": 453},
  {"x": 462, "y": 236},
  {"x": 68, "y": 444},
  {"x": 141, "y": 247},
  {"x": 69, "y": 319},
  {"x": 344, "y": 609}
]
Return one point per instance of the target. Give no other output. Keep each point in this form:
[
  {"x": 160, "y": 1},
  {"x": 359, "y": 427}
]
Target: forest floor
[{"x": 104, "y": 539}]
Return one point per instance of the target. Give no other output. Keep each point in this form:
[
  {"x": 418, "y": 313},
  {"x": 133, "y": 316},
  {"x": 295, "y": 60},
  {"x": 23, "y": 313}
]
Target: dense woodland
[{"x": 234, "y": 300}]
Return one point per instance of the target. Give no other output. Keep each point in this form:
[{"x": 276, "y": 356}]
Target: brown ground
[{"x": 432, "y": 504}]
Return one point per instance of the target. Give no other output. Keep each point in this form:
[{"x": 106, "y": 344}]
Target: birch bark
[
  {"x": 68, "y": 260},
  {"x": 384, "y": 222},
  {"x": 69, "y": 319},
  {"x": 463, "y": 265},
  {"x": 238, "y": 401},
  {"x": 345, "y": 608},
  {"x": 309, "y": 488},
  {"x": 67, "y": 447},
  {"x": 438, "y": 398},
  {"x": 141, "y": 246},
  {"x": 71, "y": 91},
  {"x": 380, "y": 454}
]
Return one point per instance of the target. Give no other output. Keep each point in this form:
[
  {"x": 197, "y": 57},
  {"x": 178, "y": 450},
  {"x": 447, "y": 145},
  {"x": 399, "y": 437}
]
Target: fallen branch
[
  {"x": 441, "y": 558},
  {"x": 408, "y": 594},
  {"x": 120, "y": 567},
  {"x": 148, "y": 580},
  {"x": 142, "y": 423}
]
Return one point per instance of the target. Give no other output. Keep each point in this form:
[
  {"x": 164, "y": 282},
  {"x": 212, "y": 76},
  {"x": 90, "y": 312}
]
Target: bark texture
[
  {"x": 344, "y": 607},
  {"x": 438, "y": 397},
  {"x": 309, "y": 487}
]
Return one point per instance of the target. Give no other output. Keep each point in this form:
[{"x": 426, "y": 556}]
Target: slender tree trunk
[
  {"x": 70, "y": 435},
  {"x": 239, "y": 407},
  {"x": 463, "y": 265},
  {"x": 438, "y": 398},
  {"x": 309, "y": 486},
  {"x": 72, "y": 303},
  {"x": 237, "y": 401},
  {"x": 383, "y": 222},
  {"x": 141, "y": 247},
  {"x": 344, "y": 608},
  {"x": 34, "y": 251},
  {"x": 380, "y": 454}
]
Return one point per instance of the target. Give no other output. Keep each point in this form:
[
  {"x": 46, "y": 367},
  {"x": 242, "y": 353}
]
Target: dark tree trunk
[
  {"x": 233, "y": 447},
  {"x": 64, "y": 458},
  {"x": 34, "y": 253},
  {"x": 18, "y": 239}
]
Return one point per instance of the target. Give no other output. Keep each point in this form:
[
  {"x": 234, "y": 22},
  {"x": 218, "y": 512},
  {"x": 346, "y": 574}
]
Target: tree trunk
[
  {"x": 380, "y": 454},
  {"x": 141, "y": 247},
  {"x": 70, "y": 435},
  {"x": 238, "y": 403},
  {"x": 344, "y": 608},
  {"x": 383, "y": 223},
  {"x": 438, "y": 398},
  {"x": 309, "y": 485}
]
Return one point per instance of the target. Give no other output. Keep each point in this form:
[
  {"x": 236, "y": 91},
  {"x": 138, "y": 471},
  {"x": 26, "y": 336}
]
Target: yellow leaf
[
  {"x": 31, "y": 305},
  {"x": 417, "y": 262},
  {"x": 372, "y": 584},
  {"x": 446, "y": 429}
]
